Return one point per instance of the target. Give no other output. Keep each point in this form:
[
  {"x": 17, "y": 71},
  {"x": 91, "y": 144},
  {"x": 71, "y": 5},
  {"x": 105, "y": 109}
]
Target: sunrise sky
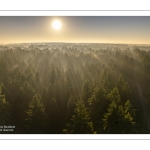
[{"x": 78, "y": 29}]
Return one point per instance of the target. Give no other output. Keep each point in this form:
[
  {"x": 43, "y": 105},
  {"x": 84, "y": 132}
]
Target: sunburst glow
[{"x": 56, "y": 24}]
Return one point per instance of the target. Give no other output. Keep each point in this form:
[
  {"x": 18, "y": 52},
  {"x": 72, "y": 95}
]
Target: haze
[{"x": 75, "y": 29}]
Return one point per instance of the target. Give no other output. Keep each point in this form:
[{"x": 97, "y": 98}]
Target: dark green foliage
[
  {"x": 53, "y": 107},
  {"x": 21, "y": 102},
  {"x": 54, "y": 117},
  {"x": 70, "y": 108},
  {"x": 86, "y": 92},
  {"x": 81, "y": 121},
  {"x": 45, "y": 98},
  {"x": 119, "y": 117},
  {"x": 98, "y": 104},
  {"x": 51, "y": 78},
  {"x": 35, "y": 116},
  {"x": 5, "y": 110},
  {"x": 106, "y": 81},
  {"x": 123, "y": 88}
]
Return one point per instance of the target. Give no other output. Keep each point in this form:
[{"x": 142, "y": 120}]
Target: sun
[{"x": 56, "y": 24}]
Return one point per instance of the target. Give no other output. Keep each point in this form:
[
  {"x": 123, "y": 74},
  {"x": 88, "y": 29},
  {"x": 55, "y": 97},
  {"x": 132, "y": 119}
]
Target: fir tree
[
  {"x": 70, "y": 107},
  {"x": 35, "y": 116},
  {"x": 123, "y": 88},
  {"x": 119, "y": 117},
  {"x": 86, "y": 92},
  {"x": 54, "y": 123},
  {"x": 5, "y": 110},
  {"x": 81, "y": 121},
  {"x": 98, "y": 104}
]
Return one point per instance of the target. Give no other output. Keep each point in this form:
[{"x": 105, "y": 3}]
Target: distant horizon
[
  {"x": 70, "y": 43},
  {"x": 75, "y": 29}
]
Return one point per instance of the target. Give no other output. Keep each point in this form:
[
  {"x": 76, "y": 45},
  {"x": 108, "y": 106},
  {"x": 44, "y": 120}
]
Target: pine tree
[
  {"x": 5, "y": 110},
  {"x": 98, "y": 104},
  {"x": 35, "y": 116},
  {"x": 106, "y": 81},
  {"x": 70, "y": 107},
  {"x": 45, "y": 97},
  {"x": 86, "y": 92},
  {"x": 81, "y": 121},
  {"x": 38, "y": 82},
  {"x": 119, "y": 117},
  {"x": 52, "y": 76},
  {"x": 123, "y": 88},
  {"x": 54, "y": 123}
]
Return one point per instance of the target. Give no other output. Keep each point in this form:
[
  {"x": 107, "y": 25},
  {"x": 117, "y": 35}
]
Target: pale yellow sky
[{"x": 81, "y": 29}]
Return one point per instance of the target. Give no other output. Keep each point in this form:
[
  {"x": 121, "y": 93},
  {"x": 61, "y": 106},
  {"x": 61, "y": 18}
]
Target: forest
[{"x": 74, "y": 88}]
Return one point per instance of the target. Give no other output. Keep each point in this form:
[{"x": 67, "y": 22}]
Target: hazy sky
[{"x": 84, "y": 29}]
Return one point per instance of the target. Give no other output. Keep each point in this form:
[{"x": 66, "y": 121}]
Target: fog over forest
[{"x": 74, "y": 88}]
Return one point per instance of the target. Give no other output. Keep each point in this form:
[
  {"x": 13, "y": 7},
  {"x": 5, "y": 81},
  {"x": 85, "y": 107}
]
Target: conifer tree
[
  {"x": 123, "y": 88},
  {"x": 81, "y": 121},
  {"x": 106, "y": 81},
  {"x": 70, "y": 107},
  {"x": 35, "y": 116},
  {"x": 54, "y": 122},
  {"x": 119, "y": 117},
  {"x": 45, "y": 97},
  {"x": 5, "y": 110},
  {"x": 98, "y": 104},
  {"x": 52, "y": 76},
  {"x": 86, "y": 92}
]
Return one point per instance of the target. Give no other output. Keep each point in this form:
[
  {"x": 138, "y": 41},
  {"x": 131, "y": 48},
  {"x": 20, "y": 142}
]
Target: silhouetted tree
[
  {"x": 86, "y": 92},
  {"x": 81, "y": 121},
  {"x": 54, "y": 121},
  {"x": 70, "y": 107},
  {"x": 119, "y": 118},
  {"x": 98, "y": 104},
  {"x": 35, "y": 116},
  {"x": 5, "y": 110},
  {"x": 123, "y": 88}
]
